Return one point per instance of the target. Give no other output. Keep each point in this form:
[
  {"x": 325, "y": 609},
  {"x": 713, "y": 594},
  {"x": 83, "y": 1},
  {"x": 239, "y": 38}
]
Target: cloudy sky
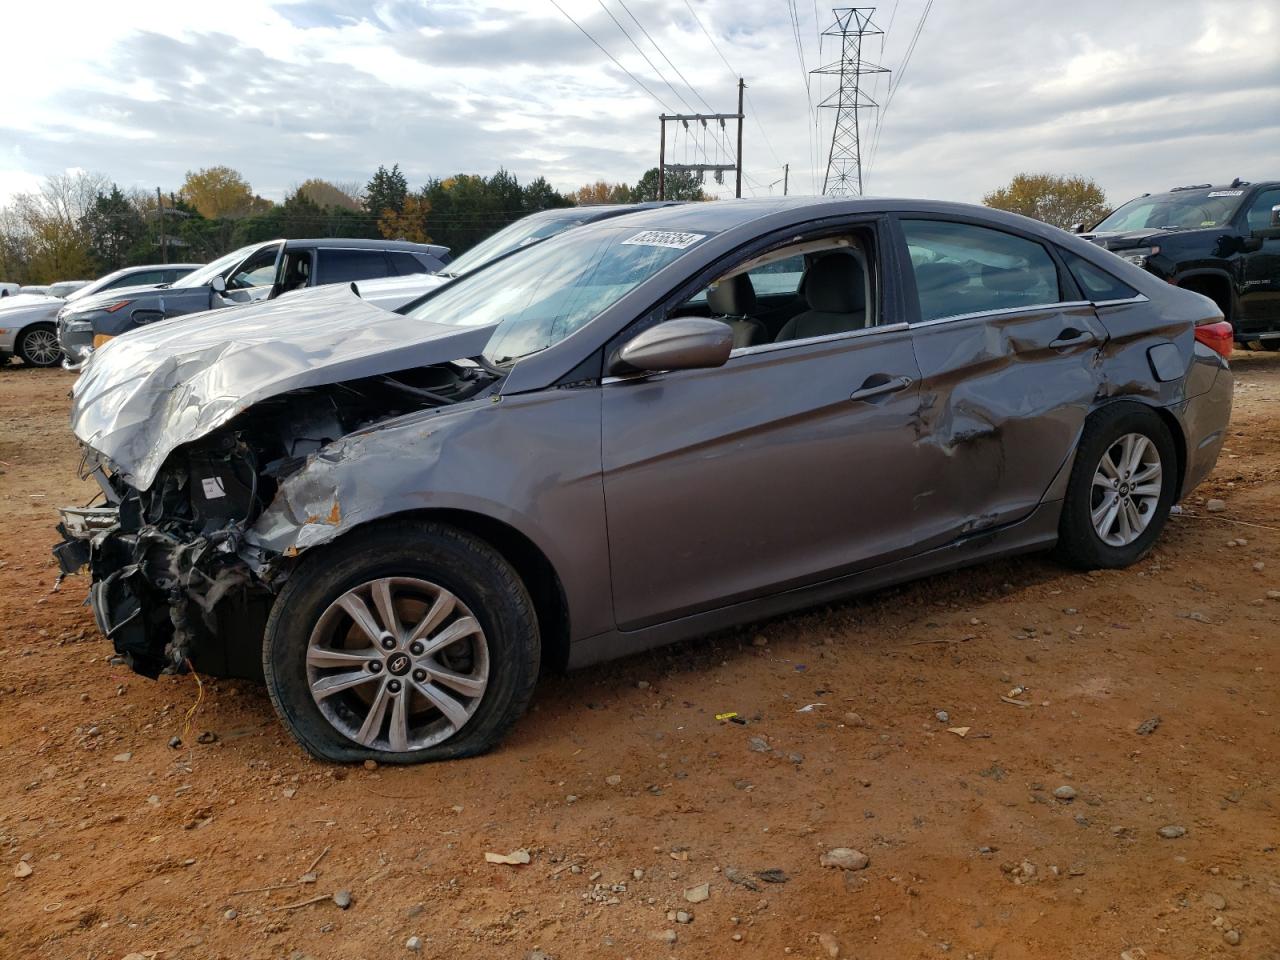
[{"x": 1139, "y": 95}]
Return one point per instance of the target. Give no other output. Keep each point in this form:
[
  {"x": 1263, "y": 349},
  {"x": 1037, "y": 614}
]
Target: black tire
[
  {"x": 33, "y": 343},
  {"x": 1272, "y": 345},
  {"x": 459, "y": 562},
  {"x": 1079, "y": 543}
]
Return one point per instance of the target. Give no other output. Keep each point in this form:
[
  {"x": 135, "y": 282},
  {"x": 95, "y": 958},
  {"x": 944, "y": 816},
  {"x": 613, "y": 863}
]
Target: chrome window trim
[
  {"x": 760, "y": 348},
  {"x": 1138, "y": 298},
  {"x": 765, "y": 348},
  {"x": 1005, "y": 311}
]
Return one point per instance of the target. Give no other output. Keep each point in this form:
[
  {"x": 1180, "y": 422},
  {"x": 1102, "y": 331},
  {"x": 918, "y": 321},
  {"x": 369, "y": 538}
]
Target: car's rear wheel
[
  {"x": 1121, "y": 488},
  {"x": 401, "y": 644},
  {"x": 1271, "y": 344},
  {"x": 38, "y": 346}
]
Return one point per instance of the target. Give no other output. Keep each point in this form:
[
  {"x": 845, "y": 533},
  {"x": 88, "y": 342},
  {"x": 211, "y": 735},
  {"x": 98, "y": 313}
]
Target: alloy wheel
[
  {"x": 397, "y": 664},
  {"x": 1126, "y": 489},
  {"x": 41, "y": 347}
]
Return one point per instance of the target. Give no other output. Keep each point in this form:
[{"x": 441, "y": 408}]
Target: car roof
[{"x": 359, "y": 244}]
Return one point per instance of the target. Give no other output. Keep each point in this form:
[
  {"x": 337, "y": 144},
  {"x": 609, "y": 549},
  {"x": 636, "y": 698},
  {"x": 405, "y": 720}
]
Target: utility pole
[
  {"x": 164, "y": 246},
  {"x": 844, "y": 160},
  {"x": 742, "y": 86},
  {"x": 703, "y": 168},
  {"x": 786, "y": 177}
]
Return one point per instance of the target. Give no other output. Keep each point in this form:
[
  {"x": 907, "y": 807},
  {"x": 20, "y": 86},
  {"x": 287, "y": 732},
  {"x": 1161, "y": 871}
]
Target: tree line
[{"x": 82, "y": 225}]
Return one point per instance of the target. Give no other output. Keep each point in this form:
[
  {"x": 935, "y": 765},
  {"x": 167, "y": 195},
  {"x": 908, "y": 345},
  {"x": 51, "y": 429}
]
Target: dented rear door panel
[{"x": 1003, "y": 400}]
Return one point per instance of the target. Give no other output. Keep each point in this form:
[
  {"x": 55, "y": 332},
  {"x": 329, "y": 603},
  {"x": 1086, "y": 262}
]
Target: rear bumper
[{"x": 1204, "y": 419}]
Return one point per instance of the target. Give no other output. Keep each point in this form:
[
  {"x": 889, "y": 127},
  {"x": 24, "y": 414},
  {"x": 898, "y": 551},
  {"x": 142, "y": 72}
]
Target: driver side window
[
  {"x": 812, "y": 288},
  {"x": 258, "y": 271}
]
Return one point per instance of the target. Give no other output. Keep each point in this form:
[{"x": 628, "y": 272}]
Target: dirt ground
[{"x": 627, "y": 791}]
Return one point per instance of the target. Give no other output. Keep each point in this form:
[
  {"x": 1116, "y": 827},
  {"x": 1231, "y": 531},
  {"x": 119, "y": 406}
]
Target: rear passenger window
[
  {"x": 343, "y": 266},
  {"x": 1096, "y": 284},
  {"x": 406, "y": 264},
  {"x": 961, "y": 268}
]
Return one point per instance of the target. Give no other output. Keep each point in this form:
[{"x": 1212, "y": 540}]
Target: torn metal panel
[{"x": 147, "y": 393}]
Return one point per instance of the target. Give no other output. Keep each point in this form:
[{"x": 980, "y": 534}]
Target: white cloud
[{"x": 1139, "y": 96}]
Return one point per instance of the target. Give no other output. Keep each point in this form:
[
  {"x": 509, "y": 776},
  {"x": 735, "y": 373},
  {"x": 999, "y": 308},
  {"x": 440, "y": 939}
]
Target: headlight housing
[{"x": 1138, "y": 256}]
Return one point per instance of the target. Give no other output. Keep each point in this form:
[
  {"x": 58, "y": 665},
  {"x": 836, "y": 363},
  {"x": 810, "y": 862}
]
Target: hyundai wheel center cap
[{"x": 399, "y": 664}]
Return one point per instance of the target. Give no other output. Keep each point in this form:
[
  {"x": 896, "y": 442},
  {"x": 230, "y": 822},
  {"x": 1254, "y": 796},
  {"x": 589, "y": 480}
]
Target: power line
[
  {"x": 897, "y": 82},
  {"x": 619, "y": 65},
  {"x": 808, "y": 92},
  {"x": 652, "y": 67},
  {"x": 657, "y": 47}
]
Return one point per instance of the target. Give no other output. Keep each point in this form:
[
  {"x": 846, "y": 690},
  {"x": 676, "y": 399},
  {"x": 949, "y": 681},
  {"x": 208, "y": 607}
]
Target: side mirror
[
  {"x": 1077, "y": 228},
  {"x": 1270, "y": 232},
  {"x": 686, "y": 343},
  {"x": 218, "y": 284}
]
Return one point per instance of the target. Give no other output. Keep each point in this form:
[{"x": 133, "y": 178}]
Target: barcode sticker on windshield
[
  {"x": 665, "y": 238},
  {"x": 1225, "y": 193}
]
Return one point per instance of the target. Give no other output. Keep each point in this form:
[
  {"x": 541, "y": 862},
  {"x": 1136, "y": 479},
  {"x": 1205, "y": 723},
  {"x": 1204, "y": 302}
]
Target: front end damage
[{"x": 176, "y": 582}]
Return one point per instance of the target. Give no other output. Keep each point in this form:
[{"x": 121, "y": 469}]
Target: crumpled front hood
[{"x": 147, "y": 392}]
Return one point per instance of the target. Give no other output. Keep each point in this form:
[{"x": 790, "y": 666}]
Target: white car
[
  {"x": 28, "y": 321},
  {"x": 8, "y": 290}
]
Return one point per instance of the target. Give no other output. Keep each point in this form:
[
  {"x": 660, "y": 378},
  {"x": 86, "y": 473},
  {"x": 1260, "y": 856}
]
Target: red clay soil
[{"x": 627, "y": 791}]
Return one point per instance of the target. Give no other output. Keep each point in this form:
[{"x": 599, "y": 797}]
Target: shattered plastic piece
[
  {"x": 809, "y": 708},
  {"x": 726, "y": 716},
  {"x": 514, "y": 858},
  {"x": 961, "y": 732}
]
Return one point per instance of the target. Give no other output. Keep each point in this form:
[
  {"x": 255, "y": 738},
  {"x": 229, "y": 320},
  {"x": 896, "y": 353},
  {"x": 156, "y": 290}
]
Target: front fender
[{"x": 531, "y": 462}]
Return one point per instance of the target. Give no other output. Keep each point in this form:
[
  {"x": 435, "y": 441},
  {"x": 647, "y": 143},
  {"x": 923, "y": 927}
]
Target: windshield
[
  {"x": 63, "y": 289},
  {"x": 518, "y": 234},
  {"x": 1183, "y": 209},
  {"x": 544, "y": 294},
  {"x": 198, "y": 278}
]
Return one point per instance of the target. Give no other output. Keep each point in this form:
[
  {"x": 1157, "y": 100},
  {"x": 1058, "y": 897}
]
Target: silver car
[
  {"x": 637, "y": 431},
  {"x": 28, "y": 322}
]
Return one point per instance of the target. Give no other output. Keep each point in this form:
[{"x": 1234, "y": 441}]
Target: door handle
[
  {"x": 879, "y": 386},
  {"x": 1072, "y": 337}
]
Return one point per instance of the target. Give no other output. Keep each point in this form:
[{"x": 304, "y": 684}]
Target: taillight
[{"x": 1218, "y": 337}]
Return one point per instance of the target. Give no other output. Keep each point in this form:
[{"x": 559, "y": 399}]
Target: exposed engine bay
[{"x": 168, "y": 563}]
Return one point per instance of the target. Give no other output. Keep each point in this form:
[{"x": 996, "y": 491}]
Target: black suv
[{"x": 1223, "y": 242}]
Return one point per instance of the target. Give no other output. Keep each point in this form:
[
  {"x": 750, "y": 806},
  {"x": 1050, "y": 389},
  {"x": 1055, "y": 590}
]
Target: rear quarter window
[
  {"x": 1095, "y": 283},
  {"x": 963, "y": 268},
  {"x": 344, "y": 266}
]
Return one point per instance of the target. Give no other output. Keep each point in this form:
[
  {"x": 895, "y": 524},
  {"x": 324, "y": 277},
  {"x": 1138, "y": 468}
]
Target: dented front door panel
[{"x": 1004, "y": 397}]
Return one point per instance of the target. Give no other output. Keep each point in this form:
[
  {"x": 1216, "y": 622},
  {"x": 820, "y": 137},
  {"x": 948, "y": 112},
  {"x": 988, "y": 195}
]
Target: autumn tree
[
  {"x": 1059, "y": 200},
  {"x": 602, "y": 192},
  {"x": 409, "y": 223},
  {"x": 323, "y": 194},
  {"x": 47, "y": 227},
  {"x": 221, "y": 192}
]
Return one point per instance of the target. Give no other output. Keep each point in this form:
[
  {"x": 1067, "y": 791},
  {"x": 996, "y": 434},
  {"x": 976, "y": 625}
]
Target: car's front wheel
[
  {"x": 401, "y": 644},
  {"x": 38, "y": 346},
  {"x": 1121, "y": 488}
]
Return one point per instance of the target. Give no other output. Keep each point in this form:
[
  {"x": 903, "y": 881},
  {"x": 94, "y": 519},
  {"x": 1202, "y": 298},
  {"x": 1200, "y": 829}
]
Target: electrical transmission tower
[{"x": 844, "y": 161}]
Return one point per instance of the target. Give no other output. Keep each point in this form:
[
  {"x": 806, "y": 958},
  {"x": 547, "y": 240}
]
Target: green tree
[
  {"x": 680, "y": 185},
  {"x": 386, "y": 190},
  {"x": 114, "y": 227},
  {"x": 221, "y": 192},
  {"x": 540, "y": 195},
  {"x": 1059, "y": 200}
]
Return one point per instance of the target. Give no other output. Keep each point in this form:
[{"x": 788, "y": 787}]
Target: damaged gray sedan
[{"x": 635, "y": 432}]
